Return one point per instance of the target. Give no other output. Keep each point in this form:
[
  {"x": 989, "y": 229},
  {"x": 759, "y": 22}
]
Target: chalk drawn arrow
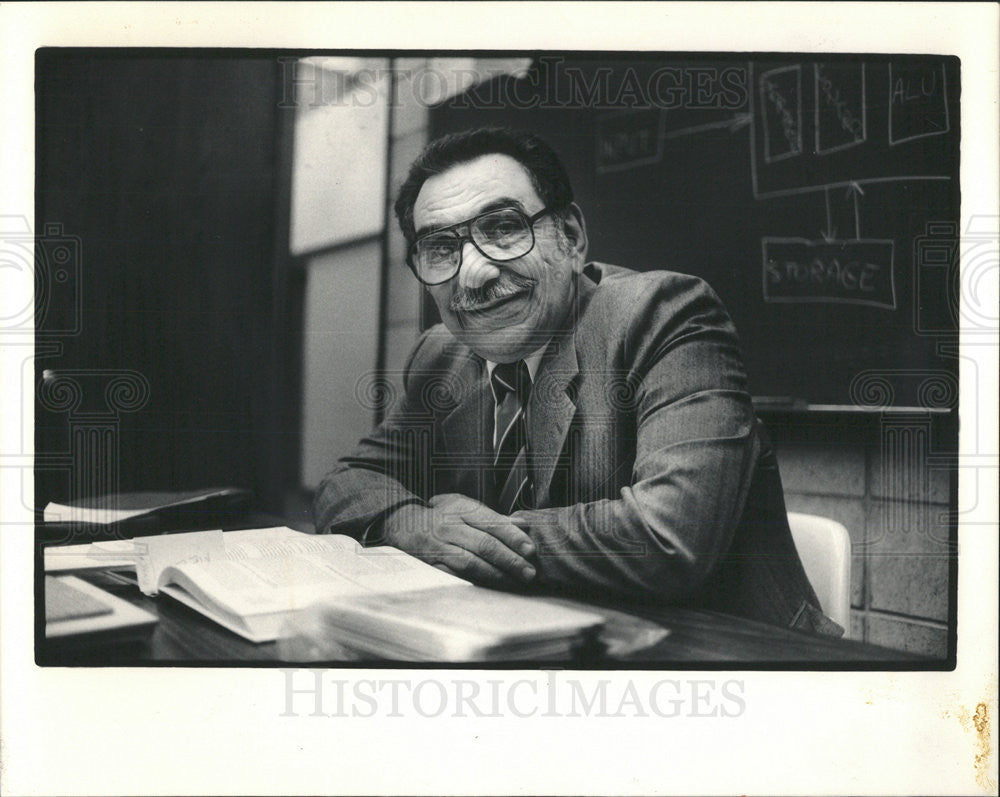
[
  {"x": 830, "y": 233},
  {"x": 733, "y": 123},
  {"x": 740, "y": 120},
  {"x": 854, "y": 190}
]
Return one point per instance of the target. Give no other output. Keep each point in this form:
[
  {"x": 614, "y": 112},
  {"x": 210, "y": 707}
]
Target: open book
[
  {"x": 261, "y": 581},
  {"x": 375, "y": 602}
]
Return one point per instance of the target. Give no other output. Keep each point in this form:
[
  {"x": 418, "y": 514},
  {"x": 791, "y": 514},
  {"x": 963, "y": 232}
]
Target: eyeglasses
[{"x": 499, "y": 235}]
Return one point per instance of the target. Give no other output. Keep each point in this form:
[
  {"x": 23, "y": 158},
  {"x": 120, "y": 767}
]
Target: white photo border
[{"x": 179, "y": 730}]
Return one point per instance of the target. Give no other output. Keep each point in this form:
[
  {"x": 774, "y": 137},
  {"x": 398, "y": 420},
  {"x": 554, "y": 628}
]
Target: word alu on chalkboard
[{"x": 918, "y": 102}]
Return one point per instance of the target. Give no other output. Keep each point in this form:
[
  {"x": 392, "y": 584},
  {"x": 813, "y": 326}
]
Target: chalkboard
[{"x": 818, "y": 196}]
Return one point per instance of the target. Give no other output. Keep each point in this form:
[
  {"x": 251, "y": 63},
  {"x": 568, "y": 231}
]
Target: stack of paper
[{"x": 449, "y": 624}]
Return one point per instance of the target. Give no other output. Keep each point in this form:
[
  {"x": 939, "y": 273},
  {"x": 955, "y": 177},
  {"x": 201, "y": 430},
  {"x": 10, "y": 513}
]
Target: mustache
[{"x": 507, "y": 284}]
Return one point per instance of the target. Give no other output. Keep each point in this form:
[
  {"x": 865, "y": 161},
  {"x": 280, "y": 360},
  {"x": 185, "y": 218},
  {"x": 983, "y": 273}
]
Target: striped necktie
[{"x": 512, "y": 489}]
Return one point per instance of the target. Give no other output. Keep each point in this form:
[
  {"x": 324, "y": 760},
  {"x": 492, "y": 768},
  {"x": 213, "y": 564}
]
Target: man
[{"x": 570, "y": 426}]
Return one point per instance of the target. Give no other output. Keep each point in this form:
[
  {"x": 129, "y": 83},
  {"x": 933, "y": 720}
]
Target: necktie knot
[{"x": 511, "y": 378}]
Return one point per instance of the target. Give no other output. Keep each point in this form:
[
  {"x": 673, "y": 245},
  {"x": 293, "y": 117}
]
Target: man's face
[{"x": 501, "y": 310}]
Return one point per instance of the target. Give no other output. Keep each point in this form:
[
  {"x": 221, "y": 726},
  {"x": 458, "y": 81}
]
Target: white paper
[{"x": 158, "y": 553}]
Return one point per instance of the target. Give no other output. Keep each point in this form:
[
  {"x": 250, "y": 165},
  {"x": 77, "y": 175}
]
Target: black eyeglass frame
[{"x": 464, "y": 229}]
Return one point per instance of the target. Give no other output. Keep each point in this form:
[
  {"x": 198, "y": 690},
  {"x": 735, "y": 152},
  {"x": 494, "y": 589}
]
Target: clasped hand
[{"x": 464, "y": 537}]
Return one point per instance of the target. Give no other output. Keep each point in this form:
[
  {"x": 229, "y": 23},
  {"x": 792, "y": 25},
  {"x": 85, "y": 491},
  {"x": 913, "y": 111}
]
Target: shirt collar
[{"x": 533, "y": 360}]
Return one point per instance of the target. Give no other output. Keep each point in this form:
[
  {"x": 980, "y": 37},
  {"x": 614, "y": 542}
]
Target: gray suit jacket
[{"x": 654, "y": 481}]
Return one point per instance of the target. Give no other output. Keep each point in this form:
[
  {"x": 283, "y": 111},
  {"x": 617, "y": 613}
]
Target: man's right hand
[{"x": 465, "y": 537}]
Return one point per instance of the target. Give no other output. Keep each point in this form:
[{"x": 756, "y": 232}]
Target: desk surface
[{"x": 697, "y": 639}]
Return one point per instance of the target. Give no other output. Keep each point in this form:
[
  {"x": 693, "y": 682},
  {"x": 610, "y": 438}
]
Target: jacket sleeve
[
  {"x": 695, "y": 448},
  {"x": 378, "y": 476}
]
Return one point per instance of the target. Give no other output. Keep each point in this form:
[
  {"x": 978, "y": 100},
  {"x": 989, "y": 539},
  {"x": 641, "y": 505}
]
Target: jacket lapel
[
  {"x": 552, "y": 407},
  {"x": 551, "y": 411},
  {"x": 467, "y": 428}
]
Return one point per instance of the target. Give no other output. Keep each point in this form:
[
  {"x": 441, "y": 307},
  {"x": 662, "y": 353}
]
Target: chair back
[{"x": 824, "y": 547}]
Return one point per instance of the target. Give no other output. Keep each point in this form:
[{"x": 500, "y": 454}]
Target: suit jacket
[{"x": 654, "y": 481}]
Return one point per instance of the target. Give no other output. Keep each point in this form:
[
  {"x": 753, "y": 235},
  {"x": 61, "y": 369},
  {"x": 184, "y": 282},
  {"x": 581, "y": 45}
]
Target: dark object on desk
[
  {"x": 143, "y": 513},
  {"x": 79, "y": 614}
]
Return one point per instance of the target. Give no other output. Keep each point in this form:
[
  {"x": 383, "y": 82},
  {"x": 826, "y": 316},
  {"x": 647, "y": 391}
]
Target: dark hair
[{"x": 548, "y": 177}]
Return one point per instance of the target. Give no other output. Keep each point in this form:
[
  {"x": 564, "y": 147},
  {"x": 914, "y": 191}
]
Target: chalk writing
[
  {"x": 851, "y": 116},
  {"x": 629, "y": 139},
  {"x": 840, "y": 106},
  {"x": 918, "y": 102},
  {"x": 848, "y": 272},
  {"x": 781, "y": 101}
]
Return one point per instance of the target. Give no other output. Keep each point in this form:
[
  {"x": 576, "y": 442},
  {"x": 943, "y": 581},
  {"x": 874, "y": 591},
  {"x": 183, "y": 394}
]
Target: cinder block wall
[{"x": 884, "y": 481}]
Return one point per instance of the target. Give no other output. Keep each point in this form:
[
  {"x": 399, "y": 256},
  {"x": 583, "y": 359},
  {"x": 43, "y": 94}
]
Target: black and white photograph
[{"x": 415, "y": 391}]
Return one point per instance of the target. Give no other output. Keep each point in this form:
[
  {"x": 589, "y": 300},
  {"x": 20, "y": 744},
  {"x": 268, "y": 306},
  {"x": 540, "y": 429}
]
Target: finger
[
  {"x": 518, "y": 519},
  {"x": 482, "y": 517},
  {"x": 501, "y": 527},
  {"x": 461, "y": 511},
  {"x": 491, "y": 550},
  {"x": 463, "y": 563}
]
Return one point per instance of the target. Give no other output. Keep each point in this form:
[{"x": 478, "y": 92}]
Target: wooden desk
[{"x": 698, "y": 640}]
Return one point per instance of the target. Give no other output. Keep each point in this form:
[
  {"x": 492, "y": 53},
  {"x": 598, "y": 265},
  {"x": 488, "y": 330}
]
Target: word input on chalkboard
[
  {"x": 628, "y": 139},
  {"x": 845, "y": 272}
]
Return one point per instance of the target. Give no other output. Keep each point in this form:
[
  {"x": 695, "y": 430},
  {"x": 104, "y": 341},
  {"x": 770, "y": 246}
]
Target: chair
[{"x": 824, "y": 547}]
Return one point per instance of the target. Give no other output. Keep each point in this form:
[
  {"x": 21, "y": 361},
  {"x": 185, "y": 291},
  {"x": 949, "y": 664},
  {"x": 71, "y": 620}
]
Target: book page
[
  {"x": 128, "y": 553},
  {"x": 282, "y": 541},
  {"x": 116, "y": 554},
  {"x": 246, "y": 581},
  {"x": 150, "y": 555},
  {"x": 158, "y": 553}
]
